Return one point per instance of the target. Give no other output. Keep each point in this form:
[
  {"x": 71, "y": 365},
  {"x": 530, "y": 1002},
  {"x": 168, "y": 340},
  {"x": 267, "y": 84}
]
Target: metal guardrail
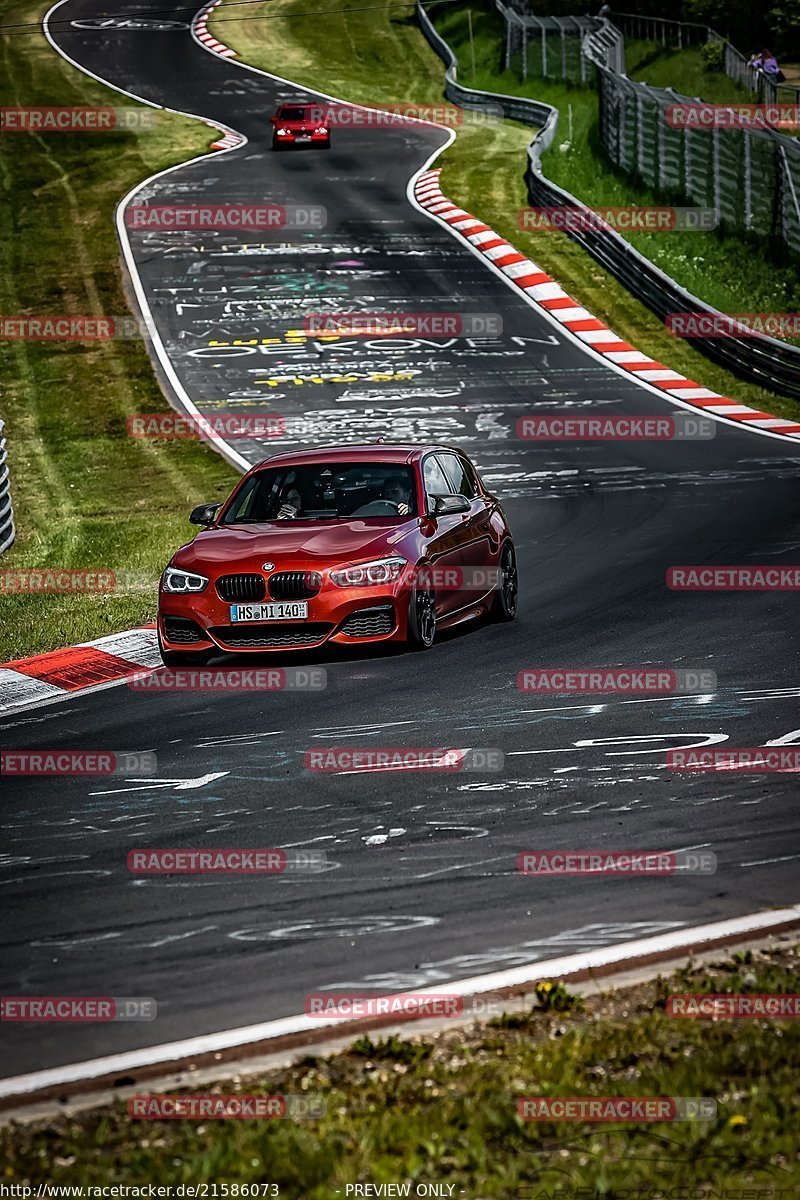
[
  {"x": 766, "y": 361},
  {"x": 7, "y": 532}
]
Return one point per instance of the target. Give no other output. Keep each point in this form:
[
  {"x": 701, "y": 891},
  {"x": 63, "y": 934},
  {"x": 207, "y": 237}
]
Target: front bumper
[
  {"x": 343, "y": 616},
  {"x": 308, "y": 139}
]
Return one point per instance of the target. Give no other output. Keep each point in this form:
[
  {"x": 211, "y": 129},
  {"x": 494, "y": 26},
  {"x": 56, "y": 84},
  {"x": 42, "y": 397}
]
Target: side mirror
[
  {"x": 443, "y": 506},
  {"x": 273, "y": 120},
  {"x": 204, "y": 514}
]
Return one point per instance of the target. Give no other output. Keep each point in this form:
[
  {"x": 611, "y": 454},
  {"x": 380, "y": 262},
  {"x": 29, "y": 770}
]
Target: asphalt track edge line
[
  {"x": 304, "y": 1031},
  {"x": 182, "y": 396}
]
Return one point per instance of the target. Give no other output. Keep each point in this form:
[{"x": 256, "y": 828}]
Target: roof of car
[{"x": 400, "y": 452}]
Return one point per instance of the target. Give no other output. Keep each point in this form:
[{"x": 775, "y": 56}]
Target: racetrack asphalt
[{"x": 422, "y": 884}]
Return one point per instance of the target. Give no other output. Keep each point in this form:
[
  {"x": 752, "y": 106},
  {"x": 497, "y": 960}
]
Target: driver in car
[
  {"x": 291, "y": 504},
  {"x": 398, "y": 493}
]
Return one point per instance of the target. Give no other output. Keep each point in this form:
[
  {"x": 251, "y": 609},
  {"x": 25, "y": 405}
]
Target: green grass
[
  {"x": 443, "y": 1109},
  {"x": 683, "y": 70},
  {"x": 85, "y": 494},
  {"x": 483, "y": 169}
]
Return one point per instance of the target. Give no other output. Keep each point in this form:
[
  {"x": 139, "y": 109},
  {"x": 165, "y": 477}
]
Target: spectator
[
  {"x": 769, "y": 65},
  {"x": 766, "y": 62}
]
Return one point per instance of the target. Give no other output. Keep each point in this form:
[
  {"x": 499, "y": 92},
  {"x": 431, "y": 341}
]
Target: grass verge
[
  {"x": 443, "y": 1109},
  {"x": 85, "y": 494},
  {"x": 483, "y": 170},
  {"x": 684, "y": 70}
]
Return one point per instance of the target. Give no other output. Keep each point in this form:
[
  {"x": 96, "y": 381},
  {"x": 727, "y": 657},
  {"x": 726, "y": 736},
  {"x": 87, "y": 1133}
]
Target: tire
[
  {"x": 183, "y": 658},
  {"x": 504, "y": 605},
  {"x": 422, "y": 616}
]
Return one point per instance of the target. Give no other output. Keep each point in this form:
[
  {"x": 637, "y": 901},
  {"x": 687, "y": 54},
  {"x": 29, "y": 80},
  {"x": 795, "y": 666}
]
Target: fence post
[
  {"x": 787, "y": 185},
  {"x": 525, "y": 49},
  {"x": 687, "y": 164},
  {"x": 544, "y": 53},
  {"x": 748, "y": 182},
  {"x": 716, "y": 172},
  {"x": 7, "y": 532}
]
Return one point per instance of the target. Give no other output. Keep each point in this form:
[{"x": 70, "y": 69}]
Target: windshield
[
  {"x": 325, "y": 492},
  {"x": 293, "y": 114}
]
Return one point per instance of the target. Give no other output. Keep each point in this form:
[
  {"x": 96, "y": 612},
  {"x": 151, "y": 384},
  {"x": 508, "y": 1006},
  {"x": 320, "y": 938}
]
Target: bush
[{"x": 713, "y": 56}]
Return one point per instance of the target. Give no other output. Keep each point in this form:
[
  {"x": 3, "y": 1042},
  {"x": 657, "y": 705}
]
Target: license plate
[
  {"x": 303, "y": 138},
  {"x": 286, "y": 610}
]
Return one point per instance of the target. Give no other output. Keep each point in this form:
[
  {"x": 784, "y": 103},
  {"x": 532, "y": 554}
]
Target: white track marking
[{"x": 189, "y": 1048}]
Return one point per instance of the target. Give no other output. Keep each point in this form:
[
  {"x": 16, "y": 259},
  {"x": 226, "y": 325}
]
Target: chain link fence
[
  {"x": 7, "y": 532},
  {"x": 766, "y": 361},
  {"x": 749, "y": 175},
  {"x": 548, "y": 47}
]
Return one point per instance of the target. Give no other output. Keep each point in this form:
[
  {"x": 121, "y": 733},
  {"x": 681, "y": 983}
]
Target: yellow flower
[{"x": 734, "y": 1122}]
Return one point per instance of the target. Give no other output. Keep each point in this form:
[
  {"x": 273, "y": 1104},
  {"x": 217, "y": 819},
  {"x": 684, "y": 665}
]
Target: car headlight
[
  {"x": 322, "y": 129},
  {"x": 181, "y": 582},
  {"x": 369, "y": 574},
  {"x": 283, "y": 132}
]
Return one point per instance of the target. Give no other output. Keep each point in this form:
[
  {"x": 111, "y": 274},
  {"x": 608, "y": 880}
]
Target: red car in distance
[
  {"x": 299, "y": 124},
  {"x": 347, "y": 545}
]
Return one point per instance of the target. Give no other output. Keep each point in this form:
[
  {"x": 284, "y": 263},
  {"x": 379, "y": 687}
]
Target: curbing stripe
[
  {"x": 61, "y": 674},
  {"x": 541, "y": 288},
  {"x": 208, "y": 41}
]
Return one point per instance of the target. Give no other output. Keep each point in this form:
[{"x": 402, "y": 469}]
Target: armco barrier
[
  {"x": 772, "y": 364},
  {"x": 6, "y": 515}
]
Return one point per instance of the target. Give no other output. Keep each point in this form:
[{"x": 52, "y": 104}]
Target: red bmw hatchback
[
  {"x": 347, "y": 545},
  {"x": 300, "y": 124}
]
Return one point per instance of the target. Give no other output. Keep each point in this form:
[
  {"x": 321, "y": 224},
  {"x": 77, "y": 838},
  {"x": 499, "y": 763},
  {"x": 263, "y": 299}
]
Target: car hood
[{"x": 292, "y": 545}]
